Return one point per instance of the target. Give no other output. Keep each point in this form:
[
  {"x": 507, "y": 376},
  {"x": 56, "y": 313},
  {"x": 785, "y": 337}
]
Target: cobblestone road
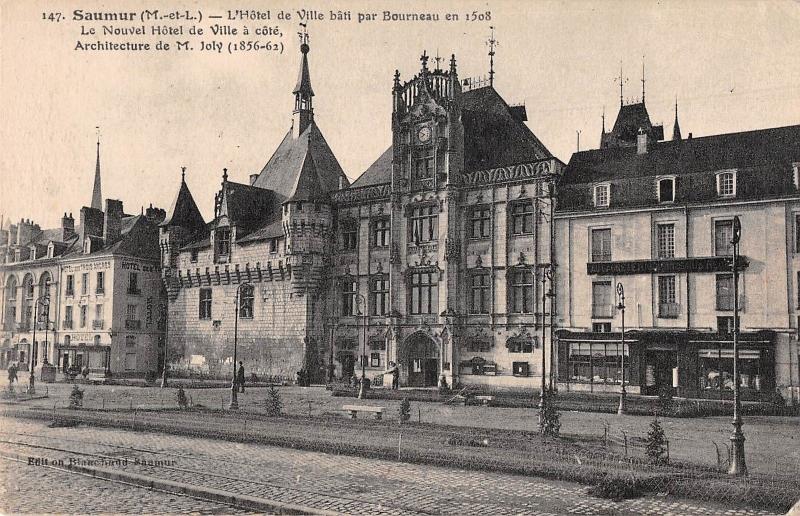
[
  {"x": 67, "y": 493},
  {"x": 339, "y": 483}
]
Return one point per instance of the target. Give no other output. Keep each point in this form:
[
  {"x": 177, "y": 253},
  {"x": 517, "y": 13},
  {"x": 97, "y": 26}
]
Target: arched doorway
[{"x": 419, "y": 360}]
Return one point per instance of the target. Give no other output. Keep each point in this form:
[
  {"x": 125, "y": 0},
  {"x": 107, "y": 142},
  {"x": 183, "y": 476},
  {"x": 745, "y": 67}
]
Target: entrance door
[
  {"x": 419, "y": 355},
  {"x": 658, "y": 372}
]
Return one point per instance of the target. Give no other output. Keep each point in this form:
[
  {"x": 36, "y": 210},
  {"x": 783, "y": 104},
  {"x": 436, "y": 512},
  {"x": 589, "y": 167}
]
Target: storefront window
[
  {"x": 716, "y": 369},
  {"x": 597, "y": 362}
]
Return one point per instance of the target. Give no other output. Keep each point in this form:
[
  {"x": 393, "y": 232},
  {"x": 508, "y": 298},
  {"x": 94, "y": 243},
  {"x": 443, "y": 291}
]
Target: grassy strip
[{"x": 428, "y": 445}]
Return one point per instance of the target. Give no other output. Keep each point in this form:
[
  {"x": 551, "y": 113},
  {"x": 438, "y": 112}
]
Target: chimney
[
  {"x": 155, "y": 215},
  {"x": 12, "y": 234},
  {"x": 641, "y": 142},
  {"x": 67, "y": 227},
  {"x": 253, "y": 178},
  {"x": 91, "y": 223},
  {"x": 112, "y": 221},
  {"x": 690, "y": 136},
  {"x": 24, "y": 231}
]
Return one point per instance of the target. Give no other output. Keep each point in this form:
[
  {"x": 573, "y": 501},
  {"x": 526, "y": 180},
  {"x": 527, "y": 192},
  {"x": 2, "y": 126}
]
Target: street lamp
[
  {"x": 42, "y": 301},
  {"x": 234, "y": 401},
  {"x": 738, "y": 466},
  {"x": 623, "y": 402},
  {"x": 362, "y": 302},
  {"x": 547, "y": 275}
]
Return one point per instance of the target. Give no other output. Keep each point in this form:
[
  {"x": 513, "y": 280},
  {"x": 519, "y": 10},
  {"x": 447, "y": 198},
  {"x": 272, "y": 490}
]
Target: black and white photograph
[{"x": 400, "y": 257}]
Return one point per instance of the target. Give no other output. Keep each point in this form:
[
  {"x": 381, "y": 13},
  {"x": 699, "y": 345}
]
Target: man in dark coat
[{"x": 240, "y": 377}]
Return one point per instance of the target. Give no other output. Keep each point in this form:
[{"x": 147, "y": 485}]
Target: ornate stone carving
[
  {"x": 452, "y": 251},
  {"x": 394, "y": 254},
  {"x": 512, "y": 173}
]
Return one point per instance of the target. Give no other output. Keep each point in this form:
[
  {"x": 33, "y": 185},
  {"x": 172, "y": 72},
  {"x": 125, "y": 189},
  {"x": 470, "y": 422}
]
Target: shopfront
[
  {"x": 76, "y": 356},
  {"x": 594, "y": 362}
]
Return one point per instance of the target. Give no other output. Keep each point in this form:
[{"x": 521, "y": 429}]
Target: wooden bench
[
  {"x": 355, "y": 409},
  {"x": 485, "y": 400},
  {"x": 96, "y": 378}
]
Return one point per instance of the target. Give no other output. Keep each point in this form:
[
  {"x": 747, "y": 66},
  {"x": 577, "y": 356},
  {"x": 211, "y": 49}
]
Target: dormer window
[
  {"x": 796, "y": 175},
  {"x": 726, "y": 183},
  {"x": 602, "y": 195},
  {"x": 87, "y": 245},
  {"x": 666, "y": 189},
  {"x": 223, "y": 241}
]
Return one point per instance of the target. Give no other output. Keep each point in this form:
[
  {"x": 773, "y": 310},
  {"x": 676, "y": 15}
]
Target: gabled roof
[
  {"x": 138, "y": 237},
  {"x": 184, "y": 211},
  {"x": 287, "y": 172},
  {"x": 378, "y": 173}
]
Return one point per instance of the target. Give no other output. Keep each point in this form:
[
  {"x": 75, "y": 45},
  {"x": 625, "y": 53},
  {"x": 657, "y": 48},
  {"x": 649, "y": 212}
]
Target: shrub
[
  {"x": 550, "y": 418},
  {"x": 405, "y": 410},
  {"x": 656, "y": 446},
  {"x": 274, "y": 404},
  {"x": 665, "y": 400},
  {"x": 75, "y": 398},
  {"x": 182, "y": 401},
  {"x": 150, "y": 377},
  {"x": 618, "y": 487}
]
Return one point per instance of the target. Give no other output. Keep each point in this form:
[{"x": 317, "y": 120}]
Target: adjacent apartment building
[{"x": 656, "y": 218}]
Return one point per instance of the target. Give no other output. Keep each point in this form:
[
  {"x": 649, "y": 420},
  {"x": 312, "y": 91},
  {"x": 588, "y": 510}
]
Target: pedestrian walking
[
  {"x": 240, "y": 377},
  {"x": 395, "y": 372},
  {"x": 12, "y": 373}
]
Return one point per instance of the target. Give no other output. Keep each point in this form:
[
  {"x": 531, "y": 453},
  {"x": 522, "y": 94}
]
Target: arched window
[
  {"x": 27, "y": 301},
  {"x": 10, "y": 308}
]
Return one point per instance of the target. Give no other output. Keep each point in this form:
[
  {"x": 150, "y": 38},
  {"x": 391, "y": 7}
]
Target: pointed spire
[
  {"x": 303, "y": 93},
  {"x": 621, "y": 80},
  {"x": 676, "y": 128},
  {"x": 492, "y": 44},
  {"x": 97, "y": 196},
  {"x": 603, "y": 117}
]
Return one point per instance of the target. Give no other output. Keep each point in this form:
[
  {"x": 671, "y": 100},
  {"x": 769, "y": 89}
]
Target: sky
[{"x": 733, "y": 66}]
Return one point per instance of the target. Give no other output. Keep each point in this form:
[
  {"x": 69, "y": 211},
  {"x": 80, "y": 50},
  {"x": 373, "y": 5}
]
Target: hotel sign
[{"x": 669, "y": 266}]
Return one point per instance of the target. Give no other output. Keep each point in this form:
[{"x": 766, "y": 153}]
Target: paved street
[
  {"x": 338, "y": 483},
  {"x": 56, "y": 491}
]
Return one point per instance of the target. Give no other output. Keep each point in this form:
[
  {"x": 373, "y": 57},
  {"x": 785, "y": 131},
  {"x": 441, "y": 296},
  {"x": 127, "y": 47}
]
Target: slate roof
[
  {"x": 291, "y": 175},
  {"x": 184, "y": 211},
  {"x": 763, "y": 160},
  {"x": 630, "y": 119},
  {"x": 249, "y": 206},
  {"x": 138, "y": 237},
  {"x": 495, "y": 135}
]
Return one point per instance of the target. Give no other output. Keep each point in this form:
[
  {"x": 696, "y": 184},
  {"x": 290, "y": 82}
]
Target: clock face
[{"x": 424, "y": 134}]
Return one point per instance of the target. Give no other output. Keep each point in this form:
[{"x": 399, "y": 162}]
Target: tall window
[
  {"x": 68, "y": 317},
  {"x": 205, "y": 303},
  {"x": 522, "y": 217},
  {"x": 521, "y": 291},
  {"x": 666, "y": 190},
  {"x": 667, "y": 302},
  {"x": 723, "y": 235},
  {"x": 101, "y": 283},
  {"x": 602, "y": 195},
  {"x": 726, "y": 184},
  {"x": 223, "y": 241},
  {"x": 70, "y": 288},
  {"x": 423, "y": 165},
  {"x": 602, "y": 299},
  {"x": 130, "y": 313},
  {"x": 84, "y": 283},
  {"x": 349, "y": 289},
  {"x": 424, "y": 292},
  {"x": 724, "y": 291},
  {"x": 601, "y": 245},
  {"x": 246, "y": 295},
  {"x": 98, "y": 312},
  {"x": 379, "y": 291},
  {"x": 480, "y": 222},
  {"x": 479, "y": 292},
  {"x": 133, "y": 283},
  {"x": 424, "y": 223},
  {"x": 380, "y": 233},
  {"x": 84, "y": 309},
  {"x": 349, "y": 238},
  {"x": 666, "y": 240}
]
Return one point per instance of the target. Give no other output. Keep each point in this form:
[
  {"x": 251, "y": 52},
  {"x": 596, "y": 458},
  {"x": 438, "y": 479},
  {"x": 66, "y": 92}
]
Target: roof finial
[
  {"x": 437, "y": 59},
  {"x": 424, "y": 60},
  {"x": 224, "y": 175},
  {"x": 303, "y": 39},
  {"x": 676, "y": 128},
  {"x": 603, "y": 116},
  {"x": 183, "y": 174},
  {"x": 622, "y": 80},
  {"x": 642, "y": 78},
  {"x": 452, "y": 63},
  {"x": 492, "y": 44}
]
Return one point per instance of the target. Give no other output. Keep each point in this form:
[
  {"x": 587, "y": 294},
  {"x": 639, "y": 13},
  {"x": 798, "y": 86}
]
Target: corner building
[{"x": 430, "y": 260}]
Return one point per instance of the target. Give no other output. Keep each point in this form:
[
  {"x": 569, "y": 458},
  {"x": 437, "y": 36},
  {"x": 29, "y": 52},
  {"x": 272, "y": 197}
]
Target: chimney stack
[
  {"x": 155, "y": 215},
  {"x": 91, "y": 223},
  {"x": 641, "y": 142},
  {"x": 112, "y": 221},
  {"x": 67, "y": 227}
]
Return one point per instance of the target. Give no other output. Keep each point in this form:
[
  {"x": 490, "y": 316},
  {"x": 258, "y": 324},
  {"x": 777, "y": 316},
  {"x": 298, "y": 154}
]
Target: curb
[{"x": 261, "y": 505}]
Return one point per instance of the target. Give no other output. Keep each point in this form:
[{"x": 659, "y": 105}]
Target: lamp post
[
  {"x": 547, "y": 275},
  {"x": 41, "y": 302},
  {"x": 738, "y": 466},
  {"x": 623, "y": 401},
  {"x": 234, "y": 400},
  {"x": 362, "y": 302}
]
